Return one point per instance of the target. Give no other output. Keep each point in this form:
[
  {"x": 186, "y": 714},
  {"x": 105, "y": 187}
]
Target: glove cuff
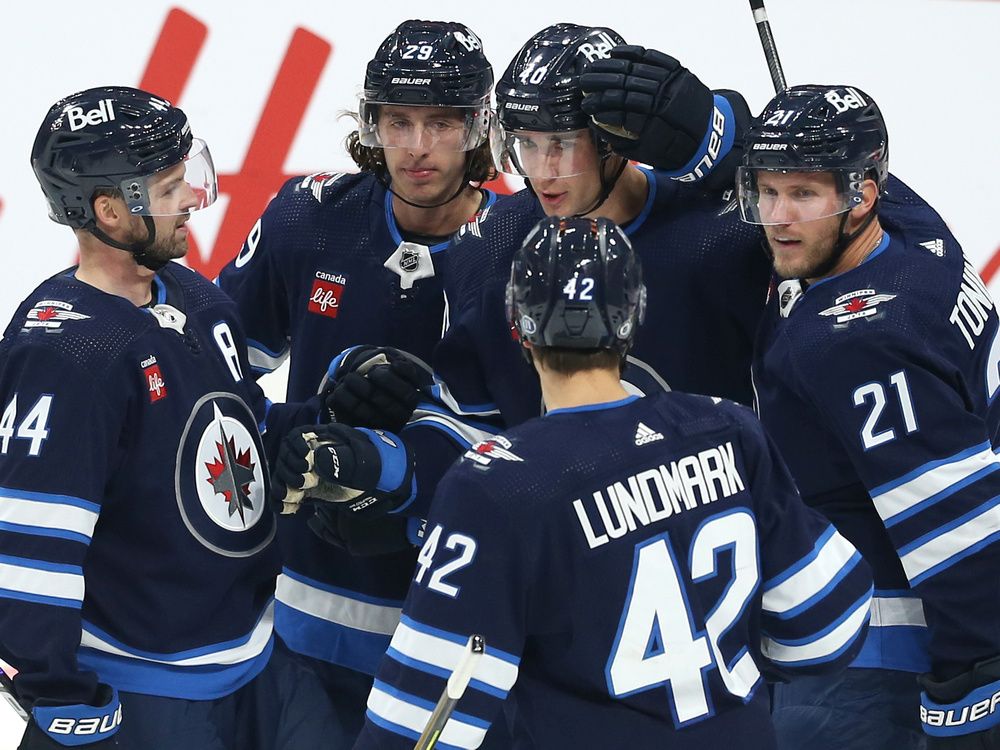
[
  {"x": 714, "y": 147},
  {"x": 79, "y": 724},
  {"x": 396, "y": 477},
  {"x": 976, "y": 711}
]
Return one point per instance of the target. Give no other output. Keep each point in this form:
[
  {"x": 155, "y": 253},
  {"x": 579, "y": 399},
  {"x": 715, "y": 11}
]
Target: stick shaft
[{"x": 767, "y": 43}]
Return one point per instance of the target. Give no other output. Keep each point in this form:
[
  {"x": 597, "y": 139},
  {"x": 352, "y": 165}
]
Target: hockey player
[
  {"x": 340, "y": 260},
  {"x": 634, "y": 564},
  {"x": 876, "y": 372},
  {"x": 707, "y": 274},
  {"x": 137, "y": 577}
]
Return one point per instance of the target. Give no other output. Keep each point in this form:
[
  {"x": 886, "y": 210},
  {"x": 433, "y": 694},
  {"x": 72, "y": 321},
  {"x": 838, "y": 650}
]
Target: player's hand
[
  {"x": 648, "y": 106},
  {"x": 361, "y": 537},
  {"x": 54, "y": 726},
  {"x": 366, "y": 472},
  {"x": 376, "y": 387},
  {"x": 962, "y": 713}
]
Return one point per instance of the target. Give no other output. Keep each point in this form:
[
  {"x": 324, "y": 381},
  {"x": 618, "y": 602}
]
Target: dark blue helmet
[
  {"x": 817, "y": 128},
  {"x": 113, "y": 138},
  {"x": 430, "y": 63},
  {"x": 576, "y": 283},
  {"x": 540, "y": 90}
]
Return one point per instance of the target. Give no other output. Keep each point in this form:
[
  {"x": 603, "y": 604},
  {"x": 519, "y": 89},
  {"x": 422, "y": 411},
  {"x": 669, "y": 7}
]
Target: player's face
[
  {"x": 422, "y": 151},
  {"x": 564, "y": 170},
  {"x": 171, "y": 199},
  {"x": 804, "y": 247}
]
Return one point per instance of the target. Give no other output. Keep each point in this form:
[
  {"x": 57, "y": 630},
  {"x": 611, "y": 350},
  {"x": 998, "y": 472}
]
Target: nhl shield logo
[
  {"x": 221, "y": 478},
  {"x": 409, "y": 260}
]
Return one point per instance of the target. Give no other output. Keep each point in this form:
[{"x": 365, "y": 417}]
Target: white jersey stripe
[
  {"x": 823, "y": 648},
  {"x": 947, "y": 547},
  {"x": 897, "y": 500},
  {"x": 342, "y": 610},
  {"x": 37, "y": 581},
  {"x": 446, "y": 654},
  {"x": 812, "y": 578},
  {"x": 47, "y": 515},
  {"x": 413, "y": 717}
]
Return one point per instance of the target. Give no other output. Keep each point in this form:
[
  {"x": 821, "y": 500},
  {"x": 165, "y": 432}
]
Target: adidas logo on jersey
[
  {"x": 935, "y": 246},
  {"x": 644, "y": 434}
]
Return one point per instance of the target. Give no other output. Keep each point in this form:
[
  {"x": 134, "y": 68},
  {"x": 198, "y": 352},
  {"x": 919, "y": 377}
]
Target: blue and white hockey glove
[
  {"x": 366, "y": 472},
  {"x": 652, "y": 109},
  {"x": 963, "y": 713},
  {"x": 376, "y": 387},
  {"x": 362, "y": 537},
  {"x": 53, "y": 726}
]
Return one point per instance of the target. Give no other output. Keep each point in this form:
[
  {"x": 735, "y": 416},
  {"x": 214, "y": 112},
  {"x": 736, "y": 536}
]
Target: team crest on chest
[
  {"x": 861, "y": 303},
  {"x": 222, "y": 479},
  {"x": 327, "y": 293}
]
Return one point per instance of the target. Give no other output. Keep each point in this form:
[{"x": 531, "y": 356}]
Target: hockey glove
[
  {"x": 963, "y": 713},
  {"x": 376, "y": 387},
  {"x": 648, "y": 106},
  {"x": 54, "y": 727},
  {"x": 366, "y": 472},
  {"x": 361, "y": 537}
]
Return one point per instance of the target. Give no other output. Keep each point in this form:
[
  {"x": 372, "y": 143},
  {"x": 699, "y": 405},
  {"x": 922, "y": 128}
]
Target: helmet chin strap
[
  {"x": 844, "y": 240},
  {"x": 607, "y": 183},
  {"x": 139, "y": 250}
]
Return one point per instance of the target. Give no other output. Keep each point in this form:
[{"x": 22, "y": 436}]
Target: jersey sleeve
[
  {"x": 255, "y": 280},
  {"x": 470, "y": 579},
  {"x": 906, "y": 421},
  {"x": 816, "y": 589},
  {"x": 60, "y": 439}
]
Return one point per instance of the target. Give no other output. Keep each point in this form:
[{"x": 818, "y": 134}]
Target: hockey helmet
[{"x": 576, "y": 283}]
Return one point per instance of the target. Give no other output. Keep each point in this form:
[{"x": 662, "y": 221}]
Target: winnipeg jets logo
[
  {"x": 50, "y": 314},
  {"x": 935, "y": 246},
  {"x": 861, "y": 303},
  {"x": 230, "y": 484},
  {"x": 485, "y": 451}
]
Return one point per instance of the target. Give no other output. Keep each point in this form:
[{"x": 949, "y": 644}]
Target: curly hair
[{"x": 372, "y": 159}]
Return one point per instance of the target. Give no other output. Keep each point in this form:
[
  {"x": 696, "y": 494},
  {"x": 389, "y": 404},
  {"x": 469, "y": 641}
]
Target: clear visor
[
  {"x": 422, "y": 128},
  {"x": 770, "y": 197},
  {"x": 542, "y": 155},
  {"x": 189, "y": 185}
]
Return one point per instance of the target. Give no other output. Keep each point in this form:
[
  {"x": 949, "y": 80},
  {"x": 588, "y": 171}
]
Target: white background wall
[{"x": 931, "y": 64}]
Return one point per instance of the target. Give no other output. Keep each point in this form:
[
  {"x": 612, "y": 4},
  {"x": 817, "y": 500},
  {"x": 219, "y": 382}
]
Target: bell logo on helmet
[
  {"x": 851, "y": 100},
  {"x": 103, "y": 112},
  {"x": 599, "y": 50}
]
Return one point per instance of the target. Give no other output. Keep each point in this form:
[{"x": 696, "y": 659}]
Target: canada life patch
[
  {"x": 154, "y": 379},
  {"x": 861, "y": 303},
  {"x": 327, "y": 293}
]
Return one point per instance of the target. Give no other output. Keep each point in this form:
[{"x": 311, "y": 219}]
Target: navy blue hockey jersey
[
  {"x": 135, "y": 534},
  {"x": 707, "y": 278},
  {"x": 879, "y": 389},
  {"x": 634, "y": 568},
  {"x": 325, "y": 268}
]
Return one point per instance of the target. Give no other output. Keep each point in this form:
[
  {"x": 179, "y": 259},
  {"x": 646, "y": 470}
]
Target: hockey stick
[
  {"x": 457, "y": 683},
  {"x": 767, "y": 42}
]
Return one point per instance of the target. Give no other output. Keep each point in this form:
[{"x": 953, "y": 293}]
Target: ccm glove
[
  {"x": 963, "y": 713},
  {"x": 376, "y": 387},
  {"x": 366, "y": 472},
  {"x": 360, "y": 536},
  {"x": 52, "y": 726},
  {"x": 648, "y": 106}
]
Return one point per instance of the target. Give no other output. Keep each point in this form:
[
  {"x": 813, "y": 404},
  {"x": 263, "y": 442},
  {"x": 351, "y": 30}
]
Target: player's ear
[
  {"x": 110, "y": 211},
  {"x": 869, "y": 194}
]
